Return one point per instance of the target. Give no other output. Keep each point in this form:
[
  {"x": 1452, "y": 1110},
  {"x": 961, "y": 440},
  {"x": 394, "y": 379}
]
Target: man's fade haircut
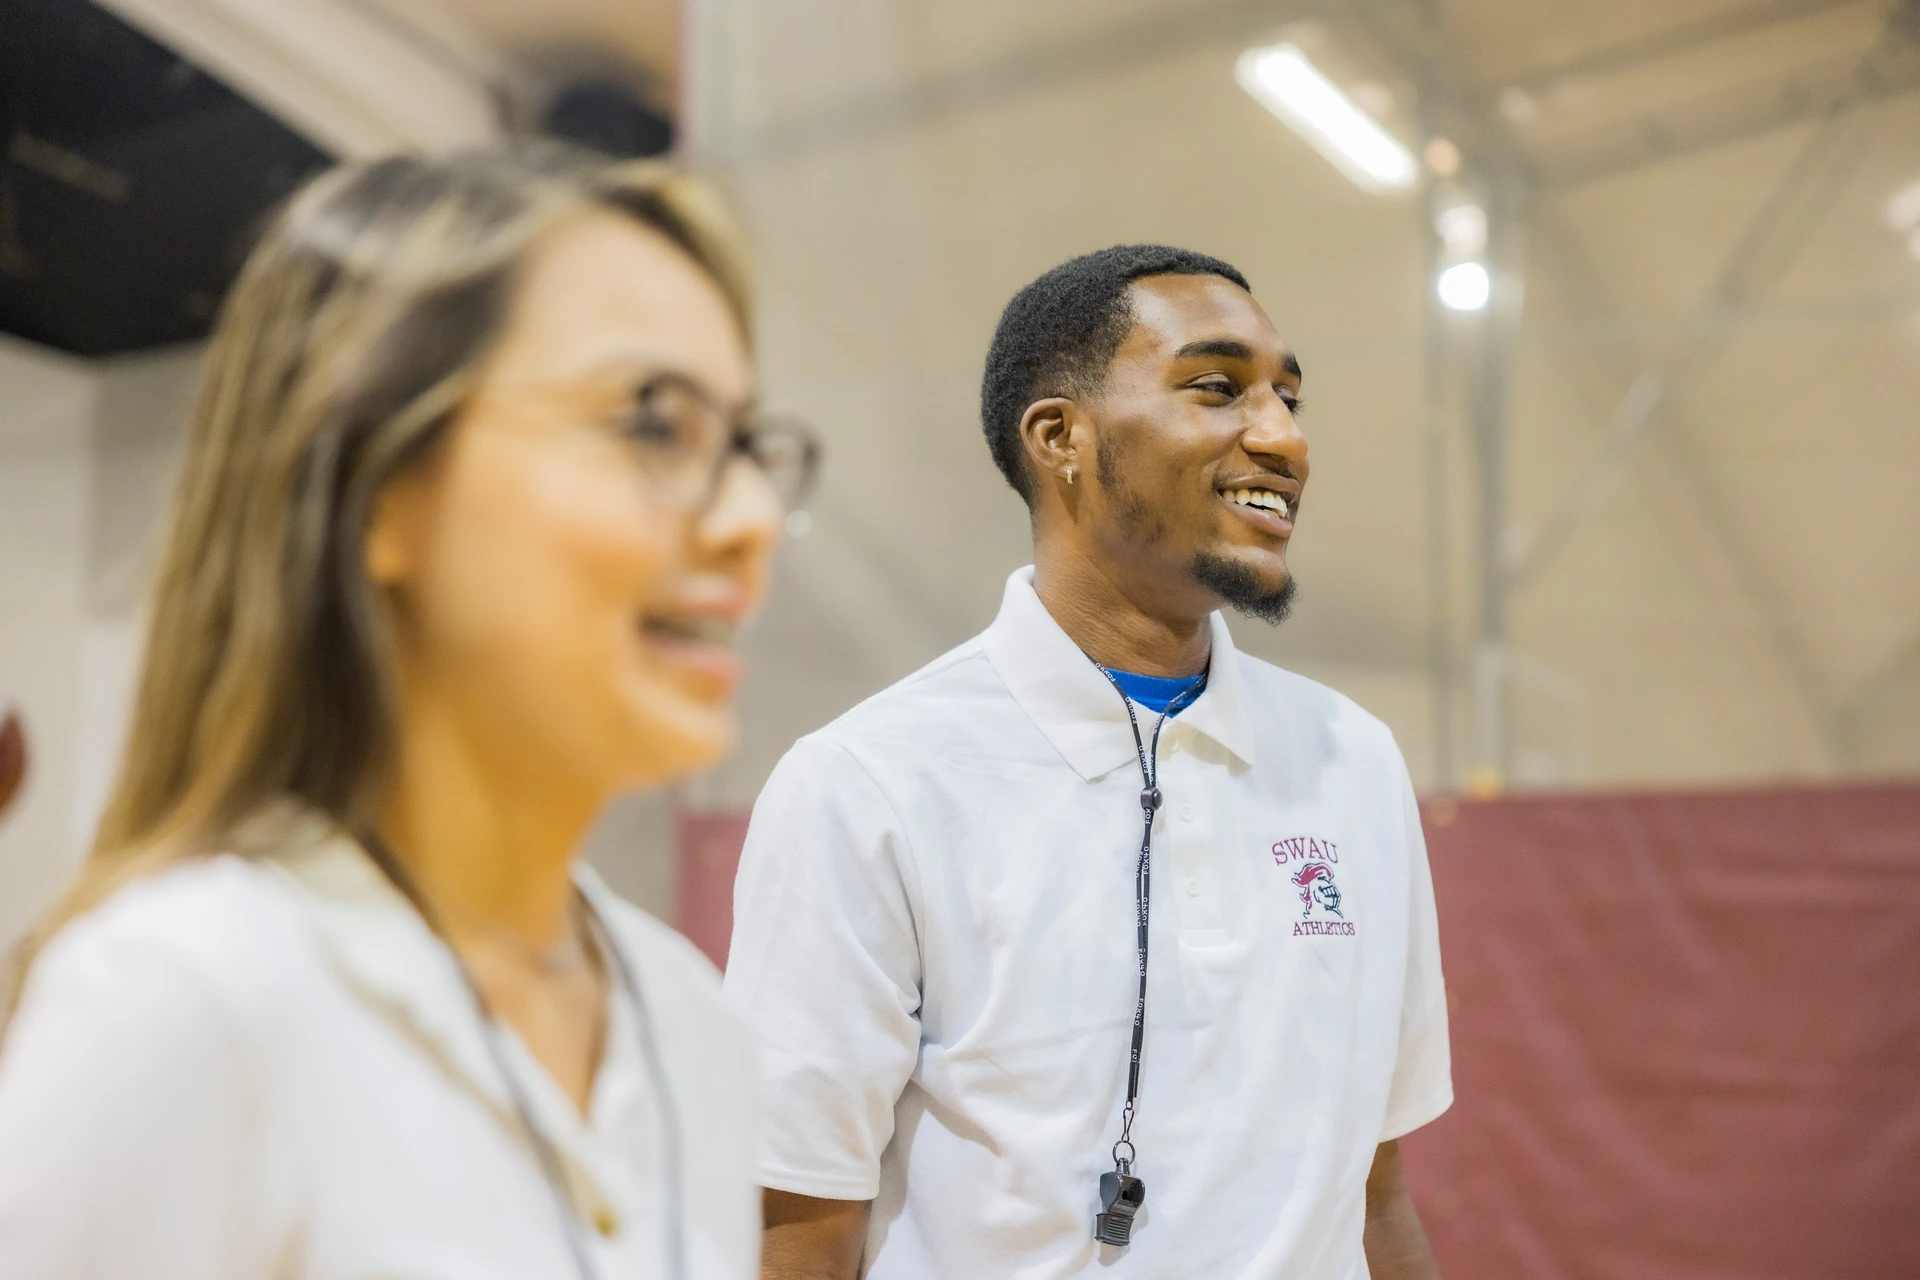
[{"x": 1059, "y": 335}]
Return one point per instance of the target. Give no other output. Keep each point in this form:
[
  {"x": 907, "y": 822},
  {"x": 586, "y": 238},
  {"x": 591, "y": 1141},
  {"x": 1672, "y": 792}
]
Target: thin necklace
[
  {"x": 548, "y": 1156},
  {"x": 562, "y": 960}
]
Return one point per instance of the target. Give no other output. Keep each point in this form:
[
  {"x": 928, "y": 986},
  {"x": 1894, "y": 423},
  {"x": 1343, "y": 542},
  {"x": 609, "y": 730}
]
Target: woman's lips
[{"x": 702, "y": 647}]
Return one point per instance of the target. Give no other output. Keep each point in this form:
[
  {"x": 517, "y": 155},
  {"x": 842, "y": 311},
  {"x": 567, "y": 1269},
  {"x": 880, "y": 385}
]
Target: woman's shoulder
[
  {"x": 674, "y": 975},
  {"x": 656, "y": 949},
  {"x": 708, "y": 1052},
  {"x": 223, "y": 923}
]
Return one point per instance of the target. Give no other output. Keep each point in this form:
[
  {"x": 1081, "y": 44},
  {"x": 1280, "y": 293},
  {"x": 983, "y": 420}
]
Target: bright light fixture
[
  {"x": 1464, "y": 286},
  {"x": 1283, "y": 81},
  {"x": 1902, "y": 211},
  {"x": 1463, "y": 229}
]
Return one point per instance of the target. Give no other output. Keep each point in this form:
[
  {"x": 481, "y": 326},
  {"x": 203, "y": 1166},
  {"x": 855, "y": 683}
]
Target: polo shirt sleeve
[
  {"x": 131, "y": 1123},
  {"x": 826, "y": 964},
  {"x": 1423, "y": 1073}
]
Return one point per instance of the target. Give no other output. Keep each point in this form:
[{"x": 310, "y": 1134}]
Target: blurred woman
[{"x": 474, "y": 501}]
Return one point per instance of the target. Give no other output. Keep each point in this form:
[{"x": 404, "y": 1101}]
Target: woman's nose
[{"x": 743, "y": 521}]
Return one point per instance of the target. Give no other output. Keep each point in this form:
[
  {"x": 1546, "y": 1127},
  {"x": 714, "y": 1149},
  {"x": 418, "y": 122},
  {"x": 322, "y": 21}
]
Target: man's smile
[{"x": 1269, "y": 502}]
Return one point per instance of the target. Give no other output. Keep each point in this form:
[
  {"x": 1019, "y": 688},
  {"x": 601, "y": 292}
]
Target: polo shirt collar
[
  {"x": 1075, "y": 706},
  {"x": 377, "y": 944}
]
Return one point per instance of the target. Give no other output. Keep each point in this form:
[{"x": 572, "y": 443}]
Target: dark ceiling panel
[{"x": 130, "y": 182}]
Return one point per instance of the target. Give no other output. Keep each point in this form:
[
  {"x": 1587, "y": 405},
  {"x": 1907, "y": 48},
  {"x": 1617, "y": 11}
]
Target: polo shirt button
[
  {"x": 1193, "y": 888},
  {"x": 1186, "y": 813}
]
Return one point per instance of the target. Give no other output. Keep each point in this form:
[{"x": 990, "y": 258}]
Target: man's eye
[{"x": 1218, "y": 386}]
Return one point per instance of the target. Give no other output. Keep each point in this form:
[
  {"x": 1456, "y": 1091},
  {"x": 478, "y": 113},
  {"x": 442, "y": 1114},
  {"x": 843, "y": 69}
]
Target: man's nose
[{"x": 1275, "y": 432}]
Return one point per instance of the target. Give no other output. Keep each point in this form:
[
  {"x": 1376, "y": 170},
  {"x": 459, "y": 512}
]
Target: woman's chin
[{"x": 672, "y": 748}]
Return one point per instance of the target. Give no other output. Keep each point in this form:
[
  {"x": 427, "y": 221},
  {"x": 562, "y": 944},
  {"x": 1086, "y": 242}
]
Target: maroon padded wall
[
  {"x": 1686, "y": 1037},
  {"x": 707, "y": 849}
]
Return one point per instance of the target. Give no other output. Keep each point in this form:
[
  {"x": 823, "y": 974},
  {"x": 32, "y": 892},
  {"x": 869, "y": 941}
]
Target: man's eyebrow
[
  {"x": 1225, "y": 348},
  {"x": 1233, "y": 349}
]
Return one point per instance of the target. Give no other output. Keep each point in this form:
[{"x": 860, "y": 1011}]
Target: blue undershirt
[{"x": 1155, "y": 693}]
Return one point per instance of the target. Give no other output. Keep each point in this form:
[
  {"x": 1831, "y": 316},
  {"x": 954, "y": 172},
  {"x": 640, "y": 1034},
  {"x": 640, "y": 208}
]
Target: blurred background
[{"x": 1610, "y": 317}]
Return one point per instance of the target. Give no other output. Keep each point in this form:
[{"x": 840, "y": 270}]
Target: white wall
[{"x": 46, "y": 413}]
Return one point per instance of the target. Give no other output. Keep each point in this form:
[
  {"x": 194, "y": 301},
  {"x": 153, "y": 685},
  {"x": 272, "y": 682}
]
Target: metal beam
[
  {"x": 1715, "y": 120},
  {"x": 1435, "y": 409},
  {"x": 1456, "y": 108},
  {"x": 1692, "y": 505},
  {"x": 1867, "y": 697},
  {"x": 1699, "y": 526},
  {"x": 1409, "y": 36},
  {"x": 1771, "y": 239},
  {"x": 1490, "y": 394},
  {"x": 1022, "y": 74},
  {"x": 1451, "y": 107},
  {"x": 1782, "y": 225},
  {"x": 1673, "y": 42}
]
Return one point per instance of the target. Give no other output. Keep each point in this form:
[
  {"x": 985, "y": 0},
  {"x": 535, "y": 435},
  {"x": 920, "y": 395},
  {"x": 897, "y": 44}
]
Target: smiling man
[{"x": 1098, "y": 947}]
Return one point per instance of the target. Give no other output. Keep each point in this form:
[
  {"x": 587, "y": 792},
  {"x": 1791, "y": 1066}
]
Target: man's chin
[{"x": 1258, "y": 595}]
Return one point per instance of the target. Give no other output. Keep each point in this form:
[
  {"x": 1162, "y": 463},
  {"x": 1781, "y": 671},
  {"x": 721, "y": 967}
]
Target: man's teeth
[{"x": 1258, "y": 498}]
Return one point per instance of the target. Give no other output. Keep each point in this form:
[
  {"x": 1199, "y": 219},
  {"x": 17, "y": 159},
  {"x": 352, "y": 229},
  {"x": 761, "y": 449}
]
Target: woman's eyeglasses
[{"x": 687, "y": 440}]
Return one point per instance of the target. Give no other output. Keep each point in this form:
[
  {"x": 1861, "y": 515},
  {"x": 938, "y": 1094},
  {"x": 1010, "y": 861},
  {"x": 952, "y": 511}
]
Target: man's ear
[{"x": 1058, "y": 439}]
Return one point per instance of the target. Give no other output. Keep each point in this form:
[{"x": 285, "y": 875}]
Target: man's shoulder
[
  {"x": 955, "y": 707},
  {"x": 1299, "y": 700},
  {"x": 945, "y": 692}
]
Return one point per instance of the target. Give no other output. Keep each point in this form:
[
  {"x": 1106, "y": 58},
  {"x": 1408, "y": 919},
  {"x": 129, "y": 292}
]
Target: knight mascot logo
[{"x": 1317, "y": 886}]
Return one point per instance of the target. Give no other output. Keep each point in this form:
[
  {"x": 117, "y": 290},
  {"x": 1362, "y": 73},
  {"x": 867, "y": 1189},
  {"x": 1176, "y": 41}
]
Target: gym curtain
[{"x": 1686, "y": 1037}]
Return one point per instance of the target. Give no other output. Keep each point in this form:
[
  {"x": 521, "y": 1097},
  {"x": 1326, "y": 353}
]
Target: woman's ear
[
  {"x": 391, "y": 551},
  {"x": 1054, "y": 433}
]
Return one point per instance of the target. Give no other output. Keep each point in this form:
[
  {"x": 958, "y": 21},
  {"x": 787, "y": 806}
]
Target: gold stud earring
[{"x": 1069, "y": 475}]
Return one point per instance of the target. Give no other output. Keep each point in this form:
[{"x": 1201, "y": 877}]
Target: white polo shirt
[
  {"x": 242, "y": 1068},
  {"x": 933, "y": 935}
]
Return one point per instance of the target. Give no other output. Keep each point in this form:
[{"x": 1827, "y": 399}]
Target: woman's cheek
[{"x": 606, "y": 532}]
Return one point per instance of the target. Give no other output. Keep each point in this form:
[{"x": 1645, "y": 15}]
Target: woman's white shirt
[{"x": 269, "y": 1067}]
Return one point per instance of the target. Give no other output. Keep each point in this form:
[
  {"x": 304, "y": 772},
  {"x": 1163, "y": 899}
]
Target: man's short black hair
[{"x": 1059, "y": 334}]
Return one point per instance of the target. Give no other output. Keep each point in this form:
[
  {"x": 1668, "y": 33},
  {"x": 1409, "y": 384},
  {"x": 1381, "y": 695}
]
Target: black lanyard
[
  {"x": 1122, "y": 1194},
  {"x": 544, "y": 1150}
]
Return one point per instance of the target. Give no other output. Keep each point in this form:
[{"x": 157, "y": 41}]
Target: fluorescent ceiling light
[
  {"x": 1283, "y": 81},
  {"x": 1464, "y": 286}
]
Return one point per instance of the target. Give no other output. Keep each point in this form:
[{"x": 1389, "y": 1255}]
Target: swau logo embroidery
[
  {"x": 1317, "y": 888},
  {"x": 1315, "y": 857}
]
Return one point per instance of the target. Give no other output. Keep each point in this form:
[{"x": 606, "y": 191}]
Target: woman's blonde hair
[{"x": 341, "y": 355}]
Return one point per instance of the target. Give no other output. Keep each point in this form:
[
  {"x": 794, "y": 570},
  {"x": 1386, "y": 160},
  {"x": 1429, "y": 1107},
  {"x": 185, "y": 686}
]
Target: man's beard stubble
[
  {"x": 1231, "y": 581},
  {"x": 1236, "y": 584}
]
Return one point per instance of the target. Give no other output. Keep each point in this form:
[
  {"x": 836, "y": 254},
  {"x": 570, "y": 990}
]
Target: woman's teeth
[
  {"x": 1265, "y": 498},
  {"x": 707, "y": 630}
]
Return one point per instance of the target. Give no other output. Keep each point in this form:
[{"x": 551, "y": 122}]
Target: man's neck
[{"x": 1113, "y": 625}]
